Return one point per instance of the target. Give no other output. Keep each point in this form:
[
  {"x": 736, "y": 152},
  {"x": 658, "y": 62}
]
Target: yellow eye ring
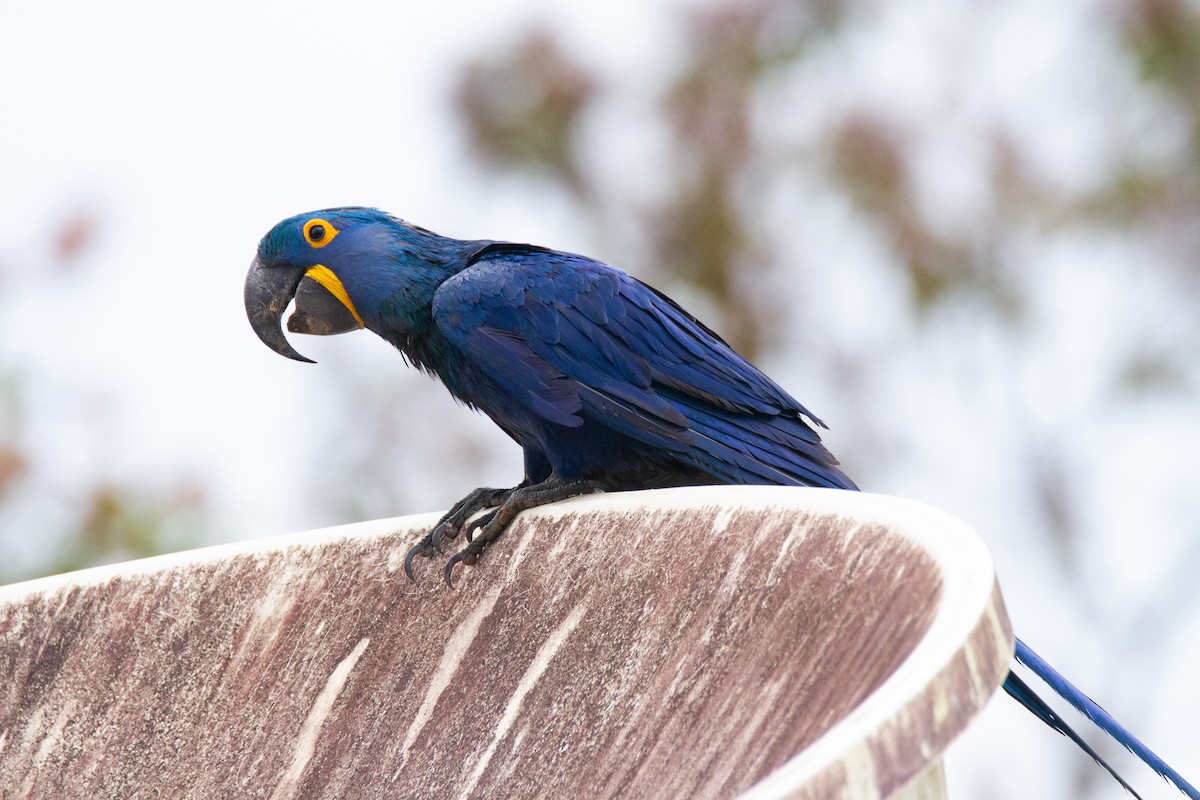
[{"x": 319, "y": 232}]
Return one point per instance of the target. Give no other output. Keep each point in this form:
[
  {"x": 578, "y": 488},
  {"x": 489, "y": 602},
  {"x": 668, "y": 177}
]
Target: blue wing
[{"x": 574, "y": 342}]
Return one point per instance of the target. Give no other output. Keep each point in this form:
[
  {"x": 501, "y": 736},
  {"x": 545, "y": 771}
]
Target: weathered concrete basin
[{"x": 683, "y": 643}]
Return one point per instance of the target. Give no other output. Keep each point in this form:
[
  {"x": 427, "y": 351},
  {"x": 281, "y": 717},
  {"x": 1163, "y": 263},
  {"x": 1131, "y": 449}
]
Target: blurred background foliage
[
  {"x": 1033, "y": 289},
  {"x": 54, "y": 522}
]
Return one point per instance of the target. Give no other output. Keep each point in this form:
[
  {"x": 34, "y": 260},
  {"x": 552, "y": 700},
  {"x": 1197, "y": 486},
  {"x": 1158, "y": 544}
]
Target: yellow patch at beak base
[{"x": 324, "y": 276}]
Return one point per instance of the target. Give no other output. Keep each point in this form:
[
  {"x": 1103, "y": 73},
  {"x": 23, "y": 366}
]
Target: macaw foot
[
  {"x": 495, "y": 523},
  {"x": 451, "y": 525},
  {"x": 489, "y": 526}
]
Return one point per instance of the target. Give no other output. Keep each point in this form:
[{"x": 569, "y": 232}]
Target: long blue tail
[
  {"x": 1086, "y": 706},
  {"x": 1020, "y": 691}
]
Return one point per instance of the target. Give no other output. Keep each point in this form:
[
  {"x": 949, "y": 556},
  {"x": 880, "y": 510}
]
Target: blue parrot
[{"x": 606, "y": 383}]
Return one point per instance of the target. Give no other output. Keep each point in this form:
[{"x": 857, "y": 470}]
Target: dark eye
[{"x": 319, "y": 232}]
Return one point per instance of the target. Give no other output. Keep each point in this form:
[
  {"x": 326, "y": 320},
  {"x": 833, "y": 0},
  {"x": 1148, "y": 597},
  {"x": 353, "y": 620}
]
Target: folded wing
[{"x": 571, "y": 340}]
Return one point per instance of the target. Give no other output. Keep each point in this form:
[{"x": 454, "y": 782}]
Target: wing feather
[{"x": 571, "y": 340}]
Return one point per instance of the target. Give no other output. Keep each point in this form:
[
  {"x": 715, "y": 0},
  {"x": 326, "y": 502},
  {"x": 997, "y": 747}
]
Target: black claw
[
  {"x": 448, "y": 573},
  {"x": 468, "y": 557},
  {"x": 424, "y": 548},
  {"x": 440, "y": 533},
  {"x": 479, "y": 524}
]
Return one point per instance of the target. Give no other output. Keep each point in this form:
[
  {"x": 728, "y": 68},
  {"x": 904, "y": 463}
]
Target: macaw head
[
  {"x": 300, "y": 259},
  {"x": 346, "y": 269}
]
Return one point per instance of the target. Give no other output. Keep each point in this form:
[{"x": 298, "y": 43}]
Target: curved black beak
[{"x": 268, "y": 292}]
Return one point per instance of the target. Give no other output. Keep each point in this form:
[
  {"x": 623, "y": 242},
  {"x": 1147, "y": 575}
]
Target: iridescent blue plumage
[
  {"x": 603, "y": 381},
  {"x": 593, "y": 373},
  {"x": 611, "y": 380}
]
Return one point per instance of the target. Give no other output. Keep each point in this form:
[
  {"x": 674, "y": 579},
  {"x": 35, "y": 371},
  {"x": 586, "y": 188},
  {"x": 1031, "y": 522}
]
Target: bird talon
[
  {"x": 439, "y": 535},
  {"x": 476, "y": 526},
  {"x": 468, "y": 556},
  {"x": 423, "y": 548},
  {"x": 448, "y": 572}
]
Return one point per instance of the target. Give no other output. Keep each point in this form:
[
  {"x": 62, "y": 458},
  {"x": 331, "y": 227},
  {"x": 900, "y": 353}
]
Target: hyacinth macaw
[{"x": 604, "y": 382}]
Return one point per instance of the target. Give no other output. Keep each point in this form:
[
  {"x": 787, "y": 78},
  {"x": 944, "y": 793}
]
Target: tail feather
[
  {"x": 1086, "y": 706},
  {"x": 1020, "y": 691}
]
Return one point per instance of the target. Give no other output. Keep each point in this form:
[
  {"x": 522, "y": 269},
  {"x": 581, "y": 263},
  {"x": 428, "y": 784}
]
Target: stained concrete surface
[{"x": 682, "y": 643}]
